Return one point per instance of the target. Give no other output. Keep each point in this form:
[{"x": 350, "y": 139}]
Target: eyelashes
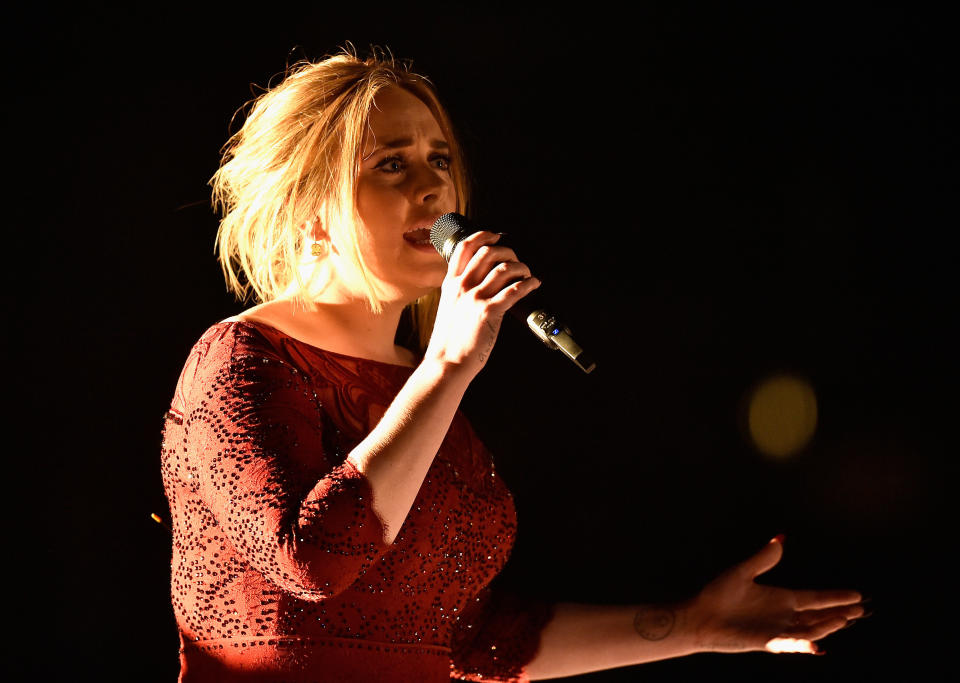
[{"x": 396, "y": 163}]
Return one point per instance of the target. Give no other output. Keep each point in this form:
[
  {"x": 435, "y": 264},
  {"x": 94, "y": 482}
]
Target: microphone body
[{"x": 449, "y": 230}]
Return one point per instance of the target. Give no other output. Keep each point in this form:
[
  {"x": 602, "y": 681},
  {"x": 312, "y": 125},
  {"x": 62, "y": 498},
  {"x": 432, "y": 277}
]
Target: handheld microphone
[{"x": 449, "y": 230}]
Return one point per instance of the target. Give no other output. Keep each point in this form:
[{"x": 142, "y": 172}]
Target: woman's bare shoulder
[
  {"x": 269, "y": 313},
  {"x": 280, "y": 315}
]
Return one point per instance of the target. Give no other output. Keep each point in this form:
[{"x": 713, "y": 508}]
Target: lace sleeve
[
  {"x": 257, "y": 456},
  {"x": 497, "y": 636}
]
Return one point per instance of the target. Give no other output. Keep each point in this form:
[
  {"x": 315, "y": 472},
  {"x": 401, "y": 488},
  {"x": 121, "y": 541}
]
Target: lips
[{"x": 418, "y": 236}]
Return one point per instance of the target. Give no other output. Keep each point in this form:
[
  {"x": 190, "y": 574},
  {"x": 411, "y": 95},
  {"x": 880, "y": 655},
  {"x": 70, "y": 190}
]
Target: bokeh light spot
[{"x": 782, "y": 415}]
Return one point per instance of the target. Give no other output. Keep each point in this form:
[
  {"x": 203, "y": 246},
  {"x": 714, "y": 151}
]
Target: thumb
[{"x": 766, "y": 559}]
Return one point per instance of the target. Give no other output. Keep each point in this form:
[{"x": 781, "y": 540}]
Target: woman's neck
[{"x": 356, "y": 330}]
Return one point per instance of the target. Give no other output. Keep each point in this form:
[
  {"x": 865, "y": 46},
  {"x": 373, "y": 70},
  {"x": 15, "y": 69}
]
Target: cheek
[
  {"x": 450, "y": 194},
  {"x": 381, "y": 207},
  {"x": 371, "y": 203},
  {"x": 381, "y": 212}
]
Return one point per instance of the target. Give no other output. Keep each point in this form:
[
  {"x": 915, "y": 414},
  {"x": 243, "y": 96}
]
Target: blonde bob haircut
[{"x": 295, "y": 160}]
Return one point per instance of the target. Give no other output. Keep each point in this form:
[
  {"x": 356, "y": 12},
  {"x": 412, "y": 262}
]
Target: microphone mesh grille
[{"x": 446, "y": 232}]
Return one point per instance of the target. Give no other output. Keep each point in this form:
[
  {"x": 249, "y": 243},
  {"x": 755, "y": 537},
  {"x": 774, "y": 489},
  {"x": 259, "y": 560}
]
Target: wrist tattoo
[
  {"x": 490, "y": 341},
  {"x": 654, "y": 623}
]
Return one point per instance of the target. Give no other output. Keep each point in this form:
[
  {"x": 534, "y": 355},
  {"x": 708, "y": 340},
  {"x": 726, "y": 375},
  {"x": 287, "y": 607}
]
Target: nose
[{"x": 428, "y": 184}]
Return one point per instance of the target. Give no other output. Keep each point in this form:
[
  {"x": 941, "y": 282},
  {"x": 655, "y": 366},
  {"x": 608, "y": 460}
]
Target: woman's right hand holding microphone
[{"x": 483, "y": 281}]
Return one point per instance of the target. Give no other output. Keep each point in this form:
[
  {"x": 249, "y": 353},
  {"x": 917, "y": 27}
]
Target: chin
[{"x": 431, "y": 277}]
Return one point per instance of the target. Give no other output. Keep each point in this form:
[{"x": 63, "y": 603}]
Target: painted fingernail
[{"x": 779, "y": 538}]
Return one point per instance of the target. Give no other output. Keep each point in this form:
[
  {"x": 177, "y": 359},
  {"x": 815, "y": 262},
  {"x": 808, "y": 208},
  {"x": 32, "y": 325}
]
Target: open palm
[{"x": 734, "y": 613}]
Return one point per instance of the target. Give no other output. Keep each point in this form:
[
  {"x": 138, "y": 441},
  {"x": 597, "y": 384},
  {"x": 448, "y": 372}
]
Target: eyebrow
[{"x": 398, "y": 143}]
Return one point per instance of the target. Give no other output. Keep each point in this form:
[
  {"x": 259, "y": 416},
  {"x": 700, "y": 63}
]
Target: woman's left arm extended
[
  {"x": 732, "y": 613},
  {"x": 584, "y": 638}
]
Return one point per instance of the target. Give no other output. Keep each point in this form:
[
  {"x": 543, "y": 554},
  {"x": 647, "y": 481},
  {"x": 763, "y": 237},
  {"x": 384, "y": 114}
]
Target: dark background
[{"x": 713, "y": 194}]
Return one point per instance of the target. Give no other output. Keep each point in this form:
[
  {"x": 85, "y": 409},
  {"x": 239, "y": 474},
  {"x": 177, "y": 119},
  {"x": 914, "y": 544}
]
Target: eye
[
  {"x": 396, "y": 163},
  {"x": 392, "y": 164}
]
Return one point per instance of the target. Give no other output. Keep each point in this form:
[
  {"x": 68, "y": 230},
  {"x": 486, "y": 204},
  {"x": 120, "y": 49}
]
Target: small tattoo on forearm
[
  {"x": 654, "y": 623},
  {"x": 490, "y": 342}
]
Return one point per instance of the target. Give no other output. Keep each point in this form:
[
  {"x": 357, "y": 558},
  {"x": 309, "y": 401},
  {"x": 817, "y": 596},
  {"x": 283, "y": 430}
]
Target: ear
[{"x": 314, "y": 232}]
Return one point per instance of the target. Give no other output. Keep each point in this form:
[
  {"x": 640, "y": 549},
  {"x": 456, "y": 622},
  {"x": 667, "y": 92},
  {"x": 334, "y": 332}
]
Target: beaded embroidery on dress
[{"x": 279, "y": 568}]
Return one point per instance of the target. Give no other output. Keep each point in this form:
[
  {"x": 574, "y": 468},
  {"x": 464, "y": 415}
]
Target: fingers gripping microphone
[{"x": 449, "y": 230}]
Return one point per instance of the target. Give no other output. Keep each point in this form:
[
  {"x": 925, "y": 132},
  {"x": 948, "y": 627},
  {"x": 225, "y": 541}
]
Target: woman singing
[{"x": 335, "y": 518}]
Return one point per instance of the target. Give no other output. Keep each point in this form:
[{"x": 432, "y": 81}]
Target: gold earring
[{"x": 317, "y": 249}]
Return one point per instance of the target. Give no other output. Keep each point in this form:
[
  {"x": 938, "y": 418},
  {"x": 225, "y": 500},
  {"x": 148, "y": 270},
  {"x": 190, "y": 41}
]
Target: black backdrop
[{"x": 712, "y": 193}]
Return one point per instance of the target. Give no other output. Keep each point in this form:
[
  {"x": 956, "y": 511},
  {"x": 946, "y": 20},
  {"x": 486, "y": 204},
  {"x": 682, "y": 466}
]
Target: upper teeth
[{"x": 418, "y": 235}]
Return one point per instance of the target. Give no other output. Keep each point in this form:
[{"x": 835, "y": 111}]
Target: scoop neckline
[{"x": 319, "y": 349}]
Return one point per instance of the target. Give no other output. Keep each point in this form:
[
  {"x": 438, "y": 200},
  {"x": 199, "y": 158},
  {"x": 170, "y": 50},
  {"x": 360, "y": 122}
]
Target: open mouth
[{"x": 420, "y": 236}]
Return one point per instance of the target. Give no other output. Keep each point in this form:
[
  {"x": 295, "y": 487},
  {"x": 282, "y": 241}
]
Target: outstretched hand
[{"x": 733, "y": 613}]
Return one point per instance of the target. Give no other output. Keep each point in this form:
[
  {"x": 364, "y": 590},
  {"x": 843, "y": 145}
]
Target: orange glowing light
[
  {"x": 791, "y": 645},
  {"x": 156, "y": 518}
]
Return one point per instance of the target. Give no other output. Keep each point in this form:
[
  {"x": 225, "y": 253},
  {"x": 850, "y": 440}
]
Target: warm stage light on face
[{"x": 782, "y": 415}]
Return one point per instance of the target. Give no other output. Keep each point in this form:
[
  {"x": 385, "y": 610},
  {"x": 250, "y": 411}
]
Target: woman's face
[{"x": 404, "y": 185}]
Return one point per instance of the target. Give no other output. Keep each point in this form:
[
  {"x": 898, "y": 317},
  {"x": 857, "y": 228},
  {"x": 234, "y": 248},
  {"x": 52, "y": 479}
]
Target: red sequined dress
[{"x": 279, "y": 569}]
